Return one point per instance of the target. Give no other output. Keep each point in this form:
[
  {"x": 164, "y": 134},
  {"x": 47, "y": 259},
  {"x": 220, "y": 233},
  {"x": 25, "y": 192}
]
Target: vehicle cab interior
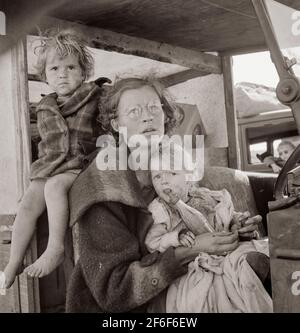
[{"x": 187, "y": 45}]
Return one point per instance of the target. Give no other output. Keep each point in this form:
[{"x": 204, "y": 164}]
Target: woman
[{"x": 115, "y": 273}]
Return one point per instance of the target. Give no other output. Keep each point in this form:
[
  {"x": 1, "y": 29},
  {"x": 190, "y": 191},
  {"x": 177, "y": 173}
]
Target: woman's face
[{"x": 140, "y": 111}]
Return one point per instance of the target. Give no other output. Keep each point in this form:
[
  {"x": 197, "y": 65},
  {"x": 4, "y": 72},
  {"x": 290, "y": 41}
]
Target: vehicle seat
[{"x": 249, "y": 191}]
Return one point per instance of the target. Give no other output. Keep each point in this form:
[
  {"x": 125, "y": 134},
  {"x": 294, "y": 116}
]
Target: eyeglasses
[{"x": 137, "y": 110}]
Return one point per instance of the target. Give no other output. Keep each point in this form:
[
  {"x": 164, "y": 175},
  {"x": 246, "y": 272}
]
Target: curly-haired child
[{"x": 66, "y": 121}]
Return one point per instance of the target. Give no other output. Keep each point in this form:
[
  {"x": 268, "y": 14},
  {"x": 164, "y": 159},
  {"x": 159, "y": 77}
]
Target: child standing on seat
[{"x": 66, "y": 123}]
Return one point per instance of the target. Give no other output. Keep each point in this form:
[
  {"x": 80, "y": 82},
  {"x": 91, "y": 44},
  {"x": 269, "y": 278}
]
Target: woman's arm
[
  {"x": 216, "y": 243},
  {"x": 118, "y": 276}
]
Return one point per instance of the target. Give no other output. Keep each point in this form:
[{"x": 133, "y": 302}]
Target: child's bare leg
[
  {"x": 56, "y": 196},
  {"x": 31, "y": 207}
]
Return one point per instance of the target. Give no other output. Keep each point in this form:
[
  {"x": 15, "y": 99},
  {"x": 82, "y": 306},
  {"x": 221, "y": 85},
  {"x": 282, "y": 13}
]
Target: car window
[
  {"x": 261, "y": 135},
  {"x": 257, "y": 149}
]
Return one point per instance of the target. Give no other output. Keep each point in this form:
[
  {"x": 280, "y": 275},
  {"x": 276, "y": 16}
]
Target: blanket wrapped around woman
[{"x": 115, "y": 272}]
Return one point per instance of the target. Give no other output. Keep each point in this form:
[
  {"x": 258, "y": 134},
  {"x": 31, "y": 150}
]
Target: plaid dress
[{"x": 68, "y": 133}]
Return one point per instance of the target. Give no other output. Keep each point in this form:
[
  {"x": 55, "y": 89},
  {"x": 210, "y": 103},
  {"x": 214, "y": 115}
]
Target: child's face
[
  {"x": 285, "y": 152},
  {"x": 64, "y": 75},
  {"x": 171, "y": 180}
]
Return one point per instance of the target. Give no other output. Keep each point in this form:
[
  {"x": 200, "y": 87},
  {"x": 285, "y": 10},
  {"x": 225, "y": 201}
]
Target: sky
[
  {"x": 258, "y": 67},
  {"x": 255, "y": 68}
]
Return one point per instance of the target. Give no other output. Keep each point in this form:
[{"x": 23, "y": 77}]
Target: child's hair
[
  {"x": 65, "y": 42},
  {"x": 286, "y": 143}
]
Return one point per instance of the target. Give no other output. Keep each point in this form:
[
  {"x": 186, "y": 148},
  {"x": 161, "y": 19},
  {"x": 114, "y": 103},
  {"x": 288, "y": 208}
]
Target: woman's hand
[
  {"x": 218, "y": 243},
  {"x": 250, "y": 228}
]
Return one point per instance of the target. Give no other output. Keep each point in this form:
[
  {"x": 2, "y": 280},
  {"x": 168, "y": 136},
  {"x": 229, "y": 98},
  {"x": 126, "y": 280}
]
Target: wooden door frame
[{"x": 26, "y": 289}]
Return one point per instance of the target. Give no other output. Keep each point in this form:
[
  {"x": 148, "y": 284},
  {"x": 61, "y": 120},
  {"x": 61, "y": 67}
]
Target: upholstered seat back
[{"x": 236, "y": 182}]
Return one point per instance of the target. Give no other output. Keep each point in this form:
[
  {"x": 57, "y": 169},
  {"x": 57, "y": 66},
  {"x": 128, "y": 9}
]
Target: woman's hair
[
  {"x": 108, "y": 106},
  {"x": 65, "y": 42},
  {"x": 286, "y": 143}
]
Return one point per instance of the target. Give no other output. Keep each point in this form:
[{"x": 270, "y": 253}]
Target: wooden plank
[
  {"x": 167, "y": 81},
  {"x": 8, "y": 303},
  {"x": 244, "y": 50},
  {"x": 34, "y": 77},
  {"x": 177, "y": 78},
  {"x": 11, "y": 301},
  {"x": 112, "y": 41},
  {"x": 21, "y": 17},
  {"x": 234, "y": 159},
  {"x": 21, "y": 115},
  {"x": 212, "y": 25},
  {"x": 28, "y": 288}
]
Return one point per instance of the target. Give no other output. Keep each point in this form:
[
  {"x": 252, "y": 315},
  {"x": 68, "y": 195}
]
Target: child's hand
[
  {"x": 235, "y": 227},
  {"x": 249, "y": 228},
  {"x": 239, "y": 220},
  {"x": 186, "y": 238},
  {"x": 170, "y": 197},
  {"x": 275, "y": 168}
]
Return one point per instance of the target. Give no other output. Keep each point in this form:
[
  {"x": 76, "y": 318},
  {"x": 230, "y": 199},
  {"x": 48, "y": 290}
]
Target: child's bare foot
[
  {"x": 10, "y": 272},
  {"x": 46, "y": 263}
]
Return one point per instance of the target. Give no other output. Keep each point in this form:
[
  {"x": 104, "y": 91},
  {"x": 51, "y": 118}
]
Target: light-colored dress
[
  {"x": 215, "y": 206},
  {"x": 213, "y": 283}
]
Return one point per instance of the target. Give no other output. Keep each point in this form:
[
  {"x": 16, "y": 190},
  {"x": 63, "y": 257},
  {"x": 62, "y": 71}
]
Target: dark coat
[
  {"x": 68, "y": 133},
  {"x": 115, "y": 273}
]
